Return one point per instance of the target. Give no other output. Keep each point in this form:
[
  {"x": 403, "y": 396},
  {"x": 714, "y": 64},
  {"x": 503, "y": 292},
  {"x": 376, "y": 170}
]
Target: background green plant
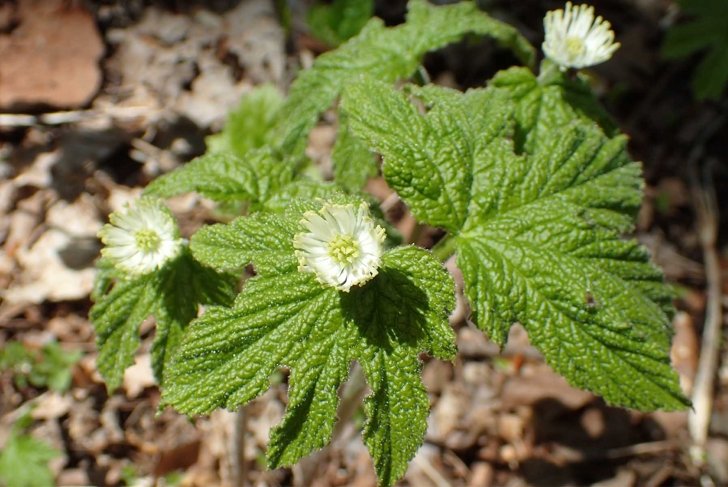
[
  {"x": 49, "y": 366},
  {"x": 706, "y": 32},
  {"x": 24, "y": 459}
]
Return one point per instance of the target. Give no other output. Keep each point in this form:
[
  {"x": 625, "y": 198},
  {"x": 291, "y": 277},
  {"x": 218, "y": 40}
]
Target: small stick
[
  {"x": 706, "y": 209},
  {"x": 237, "y": 448},
  {"x": 74, "y": 116},
  {"x": 699, "y": 417}
]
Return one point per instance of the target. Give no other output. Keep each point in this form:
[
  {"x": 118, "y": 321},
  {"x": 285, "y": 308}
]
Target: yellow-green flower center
[
  {"x": 343, "y": 249},
  {"x": 575, "y": 46},
  {"x": 147, "y": 240}
]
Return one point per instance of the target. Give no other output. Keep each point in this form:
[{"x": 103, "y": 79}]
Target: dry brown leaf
[
  {"x": 51, "y": 405},
  {"x": 58, "y": 265},
  {"x": 139, "y": 376}
]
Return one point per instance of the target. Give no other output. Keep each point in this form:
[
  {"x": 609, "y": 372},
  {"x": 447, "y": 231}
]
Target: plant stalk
[{"x": 444, "y": 248}]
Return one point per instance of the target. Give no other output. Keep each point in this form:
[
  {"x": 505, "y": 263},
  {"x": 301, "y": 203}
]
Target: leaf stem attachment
[{"x": 444, "y": 248}]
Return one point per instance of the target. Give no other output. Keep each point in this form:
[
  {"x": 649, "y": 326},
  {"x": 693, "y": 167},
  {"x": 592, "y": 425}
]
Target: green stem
[
  {"x": 444, "y": 248},
  {"x": 548, "y": 72}
]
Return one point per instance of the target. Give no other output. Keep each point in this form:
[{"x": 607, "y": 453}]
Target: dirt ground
[{"x": 98, "y": 98}]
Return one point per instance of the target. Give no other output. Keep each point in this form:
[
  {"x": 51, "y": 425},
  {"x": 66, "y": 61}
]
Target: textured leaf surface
[
  {"x": 250, "y": 125},
  {"x": 257, "y": 238},
  {"x": 542, "y": 248},
  {"x": 230, "y": 353},
  {"x": 226, "y": 177},
  {"x": 543, "y": 107},
  {"x": 353, "y": 161},
  {"x": 116, "y": 318},
  {"x": 285, "y": 317},
  {"x": 181, "y": 288},
  {"x": 538, "y": 234},
  {"x": 398, "y": 315},
  {"x": 386, "y": 54},
  {"x": 428, "y": 158},
  {"x": 172, "y": 295}
]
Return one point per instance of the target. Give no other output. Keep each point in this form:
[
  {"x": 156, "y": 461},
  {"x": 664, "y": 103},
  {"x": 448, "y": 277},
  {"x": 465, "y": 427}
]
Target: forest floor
[{"x": 124, "y": 91}]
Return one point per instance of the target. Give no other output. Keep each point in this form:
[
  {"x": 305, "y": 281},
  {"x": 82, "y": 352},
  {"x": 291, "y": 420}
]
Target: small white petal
[
  {"x": 575, "y": 39},
  {"x": 141, "y": 238},
  {"x": 342, "y": 245}
]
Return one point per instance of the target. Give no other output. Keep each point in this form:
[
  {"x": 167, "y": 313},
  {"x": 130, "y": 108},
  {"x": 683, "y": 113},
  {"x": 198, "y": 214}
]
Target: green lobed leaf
[
  {"x": 257, "y": 238},
  {"x": 106, "y": 273},
  {"x": 544, "y": 105},
  {"x": 116, "y": 317},
  {"x": 225, "y": 177},
  {"x": 229, "y": 354},
  {"x": 313, "y": 398},
  {"x": 428, "y": 158},
  {"x": 387, "y": 54},
  {"x": 171, "y": 295},
  {"x": 250, "y": 125},
  {"x": 354, "y": 163},
  {"x": 285, "y": 317},
  {"x": 397, "y": 412},
  {"x": 538, "y": 234},
  {"x": 181, "y": 289},
  {"x": 542, "y": 248}
]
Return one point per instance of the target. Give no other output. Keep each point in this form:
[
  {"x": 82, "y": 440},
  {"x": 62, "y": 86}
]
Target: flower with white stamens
[
  {"x": 575, "y": 39},
  {"x": 342, "y": 245},
  {"x": 141, "y": 238}
]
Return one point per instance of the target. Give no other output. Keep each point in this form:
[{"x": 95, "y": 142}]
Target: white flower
[
  {"x": 141, "y": 238},
  {"x": 342, "y": 245},
  {"x": 575, "y": 39}
]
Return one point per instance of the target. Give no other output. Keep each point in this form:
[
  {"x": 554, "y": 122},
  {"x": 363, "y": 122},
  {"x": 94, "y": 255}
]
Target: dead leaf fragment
[
  {"x": 58, "y": 264},
  {"x": 139, "y": 376}
]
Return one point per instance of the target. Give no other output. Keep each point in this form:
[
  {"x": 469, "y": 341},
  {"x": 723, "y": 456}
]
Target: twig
[
  {"x": 74, "y": 116},
  {"x": 389, "y": 202},
  {"x": 237, "y": 449},
  {"x": 430, "y": 472},
  {"x": 649, "y": 448},
  {"x": 699, "y": 417},
  {"x": 706, "y": 209}
]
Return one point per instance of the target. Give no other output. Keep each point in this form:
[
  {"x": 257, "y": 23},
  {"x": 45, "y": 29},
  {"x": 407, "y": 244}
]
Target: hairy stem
[{"x": 444, "y": 248}]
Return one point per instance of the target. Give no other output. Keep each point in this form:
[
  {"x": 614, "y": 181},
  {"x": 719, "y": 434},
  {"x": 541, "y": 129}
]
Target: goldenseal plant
[{"x": 527, "y": 179}]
